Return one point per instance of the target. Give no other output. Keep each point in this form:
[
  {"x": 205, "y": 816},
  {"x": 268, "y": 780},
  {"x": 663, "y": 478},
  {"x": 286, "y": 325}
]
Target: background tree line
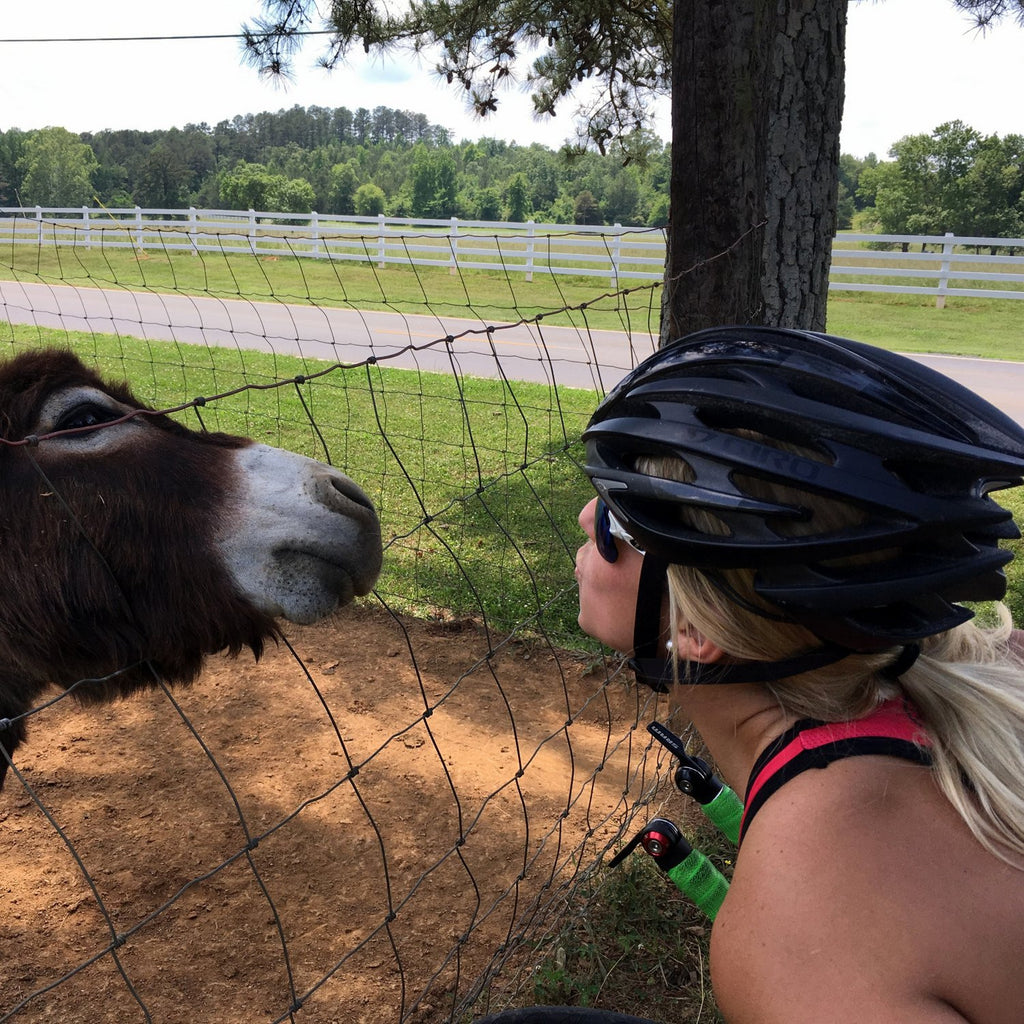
[
  {"x": 955, "y": 179},
  {"x": 338, "y": 161},
  {"x": 335, "y": 161}
]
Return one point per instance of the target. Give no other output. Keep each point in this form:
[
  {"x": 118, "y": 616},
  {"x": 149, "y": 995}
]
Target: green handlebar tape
[
  {"x": 696, "y": 876},
  {"x": 725, "y": 812}
]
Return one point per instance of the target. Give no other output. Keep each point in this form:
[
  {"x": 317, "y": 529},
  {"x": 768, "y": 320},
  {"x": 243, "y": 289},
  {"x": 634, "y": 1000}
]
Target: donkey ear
[{"x": 694, "y": 646}]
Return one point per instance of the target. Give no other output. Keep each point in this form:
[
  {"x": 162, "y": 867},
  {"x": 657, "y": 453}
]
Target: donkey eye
[{"x": 88, "y": 414}]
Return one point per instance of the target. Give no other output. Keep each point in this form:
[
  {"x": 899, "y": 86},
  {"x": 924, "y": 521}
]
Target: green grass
[
  {"x": 1014, "y": 500},
  {"x": 984, "y": 328}
]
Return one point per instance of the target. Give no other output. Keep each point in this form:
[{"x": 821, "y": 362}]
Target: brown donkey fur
[{"x": 113, "y": 577}]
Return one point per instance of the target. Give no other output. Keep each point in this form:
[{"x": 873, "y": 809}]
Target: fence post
[
  {"x": 193, "y": 231},
  {"x": 381, "y": 247},
  {"x": 530, "y": 228},
  {"x": 314, "y": 227},
  {"x": 453, "y": 259},
  {"x": 947, "y": 251},
  {"x": 616, "y": 252},
  {"x": 87, "y": 225},
  {"x": 39, "y": 224},
  {"x": 140, "y": 241}
]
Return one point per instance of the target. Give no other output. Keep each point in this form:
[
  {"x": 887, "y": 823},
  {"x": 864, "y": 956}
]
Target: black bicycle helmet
[{"x": 914, "y": 451}]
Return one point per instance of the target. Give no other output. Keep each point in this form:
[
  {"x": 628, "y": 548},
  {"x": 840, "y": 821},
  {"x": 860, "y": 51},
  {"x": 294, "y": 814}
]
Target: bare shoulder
[{"x": 856, "y": 890}]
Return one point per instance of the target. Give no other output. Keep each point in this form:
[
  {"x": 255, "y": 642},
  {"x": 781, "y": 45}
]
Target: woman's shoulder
[
  {"x": 857, "y": 883},
  {"x": 840, "y": 839}
]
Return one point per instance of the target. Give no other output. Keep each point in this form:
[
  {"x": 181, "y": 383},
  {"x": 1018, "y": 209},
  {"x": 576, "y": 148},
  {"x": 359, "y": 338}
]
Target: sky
[{"x": 911, "y": 65}]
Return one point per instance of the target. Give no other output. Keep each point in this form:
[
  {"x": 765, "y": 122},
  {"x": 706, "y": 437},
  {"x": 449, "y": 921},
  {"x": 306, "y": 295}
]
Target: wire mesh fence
[{"x": 387, "y": 816}]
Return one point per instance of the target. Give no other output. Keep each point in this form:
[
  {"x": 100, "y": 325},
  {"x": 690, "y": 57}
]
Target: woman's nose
[{"x": 586, "y": 517}]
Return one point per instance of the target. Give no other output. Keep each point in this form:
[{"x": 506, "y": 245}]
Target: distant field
[
  {"x": 988, "y": 328},
  {"x": 477, "y": 294}
]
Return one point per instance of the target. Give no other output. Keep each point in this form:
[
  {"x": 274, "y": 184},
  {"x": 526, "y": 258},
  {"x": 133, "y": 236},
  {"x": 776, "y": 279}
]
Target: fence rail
[{"x": 938, "y": 265}]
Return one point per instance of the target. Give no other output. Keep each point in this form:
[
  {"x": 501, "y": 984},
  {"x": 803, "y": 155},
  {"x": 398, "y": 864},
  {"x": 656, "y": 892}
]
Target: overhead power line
[{"x": 153, "y": 39}]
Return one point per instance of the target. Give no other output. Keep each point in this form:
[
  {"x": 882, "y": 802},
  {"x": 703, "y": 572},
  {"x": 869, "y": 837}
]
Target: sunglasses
[{"x": 607, "y": 529}]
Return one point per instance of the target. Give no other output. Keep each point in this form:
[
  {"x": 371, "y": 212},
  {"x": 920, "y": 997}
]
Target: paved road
[
  {"x": 524, "y": 352},
  {"x": 576, "y": 358},
  {"x": 998, "y": 380}
]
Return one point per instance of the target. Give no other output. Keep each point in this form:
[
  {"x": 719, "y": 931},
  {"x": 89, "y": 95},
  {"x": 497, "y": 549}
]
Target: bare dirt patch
[{"x": 257, "y": 851}]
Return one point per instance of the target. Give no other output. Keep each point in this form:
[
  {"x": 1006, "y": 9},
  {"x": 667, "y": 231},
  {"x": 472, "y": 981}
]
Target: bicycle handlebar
[
  {"x": 688, "y": 868},
  {"x": 721, "y": 806}
]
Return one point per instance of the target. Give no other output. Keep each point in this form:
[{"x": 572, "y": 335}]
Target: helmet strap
[
  {"x": 648, "y": 661},
  {"x": 657, "y": 671},
  {"x": 903, "y": 662},
  {"x": 765, "y": 671}
]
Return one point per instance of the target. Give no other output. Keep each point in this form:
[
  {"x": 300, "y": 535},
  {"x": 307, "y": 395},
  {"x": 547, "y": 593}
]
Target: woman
[{"x": 785, "y": 527}]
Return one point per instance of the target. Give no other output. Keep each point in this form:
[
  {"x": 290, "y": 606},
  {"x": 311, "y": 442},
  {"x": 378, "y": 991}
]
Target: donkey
[{"x": 132, "y": 547}]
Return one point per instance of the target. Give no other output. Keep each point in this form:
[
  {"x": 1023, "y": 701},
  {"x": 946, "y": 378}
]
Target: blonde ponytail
[{"x": 968, "y": 688}]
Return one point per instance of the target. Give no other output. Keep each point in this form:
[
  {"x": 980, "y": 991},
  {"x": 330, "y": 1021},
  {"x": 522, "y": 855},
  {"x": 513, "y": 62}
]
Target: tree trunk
[{"x": 756, "y": 110}]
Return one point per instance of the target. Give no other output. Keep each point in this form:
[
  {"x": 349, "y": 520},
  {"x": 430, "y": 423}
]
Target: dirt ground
[{"x": 300, "y": 838}]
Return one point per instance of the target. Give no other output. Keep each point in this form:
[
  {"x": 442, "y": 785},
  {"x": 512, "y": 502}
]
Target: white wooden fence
[
  {"x": 938, "y": 265},
  {"x": 860, "y": 263}
]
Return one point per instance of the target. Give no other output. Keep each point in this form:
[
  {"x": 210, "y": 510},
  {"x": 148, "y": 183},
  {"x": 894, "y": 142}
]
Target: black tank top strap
[{"x": 891, "y": 730}]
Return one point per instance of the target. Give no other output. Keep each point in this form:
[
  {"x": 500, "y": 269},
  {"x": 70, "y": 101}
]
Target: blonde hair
[{"x": 966, "y": 685}]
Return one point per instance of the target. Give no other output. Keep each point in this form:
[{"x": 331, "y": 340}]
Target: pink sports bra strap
[{"x": 893, "y": 729}]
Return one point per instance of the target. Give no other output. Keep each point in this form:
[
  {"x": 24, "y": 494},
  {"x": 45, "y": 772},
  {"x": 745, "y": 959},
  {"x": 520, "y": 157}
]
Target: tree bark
[
  {"x": 806, "y": 84},
  {"x": 756, "y": 110}
]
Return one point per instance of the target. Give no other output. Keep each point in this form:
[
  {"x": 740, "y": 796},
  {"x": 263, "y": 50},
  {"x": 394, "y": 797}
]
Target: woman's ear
[{"x": 693, "y": 646}]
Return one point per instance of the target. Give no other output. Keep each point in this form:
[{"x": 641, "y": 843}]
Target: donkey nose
[{"x": 340, "y": 494}]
